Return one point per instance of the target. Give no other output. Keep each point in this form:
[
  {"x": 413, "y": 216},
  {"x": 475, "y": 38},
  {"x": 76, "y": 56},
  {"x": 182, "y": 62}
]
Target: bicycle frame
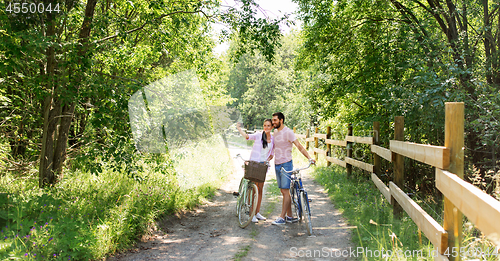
[
  {"x": 296, "y": 182},
  {"x": 246, "y": 200},
  {"x": 297, "y": 191},
  {"x": 241, "y": 192}
]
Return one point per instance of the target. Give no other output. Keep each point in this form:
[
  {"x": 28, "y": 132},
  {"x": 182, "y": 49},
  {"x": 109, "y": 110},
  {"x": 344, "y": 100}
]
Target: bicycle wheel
[
  {"x": 238, "y": 199},
  {"x": 248, "y": 203},
  {"x": 295, "y": 200},
  {"x": 306, "y": 211}
]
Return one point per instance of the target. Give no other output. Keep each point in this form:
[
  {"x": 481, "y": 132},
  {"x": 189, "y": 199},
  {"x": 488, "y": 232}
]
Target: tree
[
  {"x": 261, "y": 88},
  {"x": 94, "y": 50},
  {"x": 376, "y": 60}
]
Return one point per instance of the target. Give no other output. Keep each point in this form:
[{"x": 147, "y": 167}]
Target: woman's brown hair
[{"x": 264, "y": 136}]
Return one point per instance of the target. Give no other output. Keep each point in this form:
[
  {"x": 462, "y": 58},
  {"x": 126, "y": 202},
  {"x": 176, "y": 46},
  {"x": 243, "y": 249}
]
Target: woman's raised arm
[{"x": 238, "y": 125}]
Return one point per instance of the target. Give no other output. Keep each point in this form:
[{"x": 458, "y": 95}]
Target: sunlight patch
[{"x": 171, "y": 116}]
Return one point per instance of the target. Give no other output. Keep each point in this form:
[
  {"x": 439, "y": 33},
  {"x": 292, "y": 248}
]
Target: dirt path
[{"x": 211, "y": 232}]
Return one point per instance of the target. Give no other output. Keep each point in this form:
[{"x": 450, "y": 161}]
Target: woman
[{"x": 263, "y": 150}]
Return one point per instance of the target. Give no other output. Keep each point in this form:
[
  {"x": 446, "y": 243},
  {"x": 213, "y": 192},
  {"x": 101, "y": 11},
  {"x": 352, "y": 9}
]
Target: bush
[{"x": 88, "y": 216}]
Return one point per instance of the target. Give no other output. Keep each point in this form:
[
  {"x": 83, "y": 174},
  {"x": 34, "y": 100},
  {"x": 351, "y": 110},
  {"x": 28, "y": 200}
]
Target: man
[{"x": 283, "y": 140}]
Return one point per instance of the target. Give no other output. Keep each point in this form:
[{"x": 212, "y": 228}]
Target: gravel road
[{"x": 211, "y": 231}]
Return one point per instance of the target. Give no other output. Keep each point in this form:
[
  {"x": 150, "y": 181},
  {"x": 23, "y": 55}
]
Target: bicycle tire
[
  {"x": 247, "y": 205},
  {"x": 255, "y": 199},
  {"x": 242, "y": 207},
  {"x": 294, "y": 196},
  {"x": 306, "y": 212},
  {"x": 238, "y": 199}
]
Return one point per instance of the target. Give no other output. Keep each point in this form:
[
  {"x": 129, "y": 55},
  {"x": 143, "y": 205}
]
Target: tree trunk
[
  {"x": 494, "y": 58},
  {"x": 50, "y": 110},
  {"x": 62, "y": 138},
  {"x": 58, "y": 117},
  {"x": 488, "y": 38}
]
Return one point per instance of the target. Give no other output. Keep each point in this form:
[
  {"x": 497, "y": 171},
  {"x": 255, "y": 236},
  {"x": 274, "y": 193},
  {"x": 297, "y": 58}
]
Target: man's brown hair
[{"x": 280, "y": 116}]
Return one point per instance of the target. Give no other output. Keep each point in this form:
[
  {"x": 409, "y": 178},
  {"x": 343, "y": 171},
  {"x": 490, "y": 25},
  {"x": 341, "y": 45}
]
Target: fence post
[
  {"x": 376, "y": 141},
  {"x": 399, "y": 164},
  {"x": 307, "y": 142},
  {"x": 316, "y": 144},
  {"x": 349, "y": 151},
  {"x": 328, "y": 146},
  {"x": 454, "y": 140}
]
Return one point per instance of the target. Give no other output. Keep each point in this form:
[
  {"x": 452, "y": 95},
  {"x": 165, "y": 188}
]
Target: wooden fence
[{"x": 448, "y": 160}]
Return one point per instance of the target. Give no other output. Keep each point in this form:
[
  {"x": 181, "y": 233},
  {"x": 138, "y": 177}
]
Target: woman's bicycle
[
  {"x": 300, "y": 200},
  {"x": 246, "y": 200}
]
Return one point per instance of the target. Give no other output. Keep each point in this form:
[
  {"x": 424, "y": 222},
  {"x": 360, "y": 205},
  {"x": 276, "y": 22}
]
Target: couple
[{"x": 279, "y": 145}]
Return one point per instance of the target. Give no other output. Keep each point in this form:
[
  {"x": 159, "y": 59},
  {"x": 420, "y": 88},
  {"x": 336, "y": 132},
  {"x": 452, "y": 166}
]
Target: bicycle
[
  {"x": 298, "y": 194},
  {"x": 246, "y": 200}
]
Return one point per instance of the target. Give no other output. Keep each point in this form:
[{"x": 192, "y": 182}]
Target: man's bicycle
[
  {"x": 300, "y": 200},
  {"x": 246, "y": 199}
]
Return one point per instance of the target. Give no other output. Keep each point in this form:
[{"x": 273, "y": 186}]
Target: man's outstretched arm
[{"x": 303, "y": 150}]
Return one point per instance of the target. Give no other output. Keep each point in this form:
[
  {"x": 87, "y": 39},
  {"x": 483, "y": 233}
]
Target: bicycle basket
[{"x": 255, "y": 171}]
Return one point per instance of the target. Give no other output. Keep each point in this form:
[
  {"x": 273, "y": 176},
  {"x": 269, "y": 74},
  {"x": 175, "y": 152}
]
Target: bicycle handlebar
[
  {"x": 239, "y": 156},
  {"x": 298, "y": 169}
]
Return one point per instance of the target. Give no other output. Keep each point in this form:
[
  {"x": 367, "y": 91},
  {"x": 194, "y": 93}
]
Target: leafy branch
[{"x": 156, "y": 19}]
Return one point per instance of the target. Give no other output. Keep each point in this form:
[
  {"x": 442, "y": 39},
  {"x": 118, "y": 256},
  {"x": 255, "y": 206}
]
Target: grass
[
  {"x": 272, "y": 187},
  {"x": 273, "y": 193},
  {"x": 239, "y": 141},
  {"x": 242, "y": 253},
  {"x": 362, "y": 204},
  {"x": 198, "y": 164},
  {"x": 88, "y": 217},
  {"x": 254, "y": 233}
]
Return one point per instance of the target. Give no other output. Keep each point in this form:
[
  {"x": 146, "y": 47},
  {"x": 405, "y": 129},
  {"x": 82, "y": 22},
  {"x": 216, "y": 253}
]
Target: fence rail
[
  {"x": 342, "y": 143},
  {"x": 481, "y": 209},
  {"x": 365, "y": 140},
  {"x": 382, "y": 152},
  {"x": 435, "y": 156},
  {"x": 460, "y": 196},
  {"x": 336, "y": 161}
]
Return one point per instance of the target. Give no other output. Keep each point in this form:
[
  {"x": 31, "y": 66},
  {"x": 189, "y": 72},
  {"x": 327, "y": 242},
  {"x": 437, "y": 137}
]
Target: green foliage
[
  {"x": 374, "y": 60},
  {"x": 254, "y": 34},
  {"x": 96, "y": 68},
  {"x": 88, "y": 216},
  {"x": 364, "y": 206},
  {"x": 193, "y": 167},
  {"x": 261, "y": 88}
]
